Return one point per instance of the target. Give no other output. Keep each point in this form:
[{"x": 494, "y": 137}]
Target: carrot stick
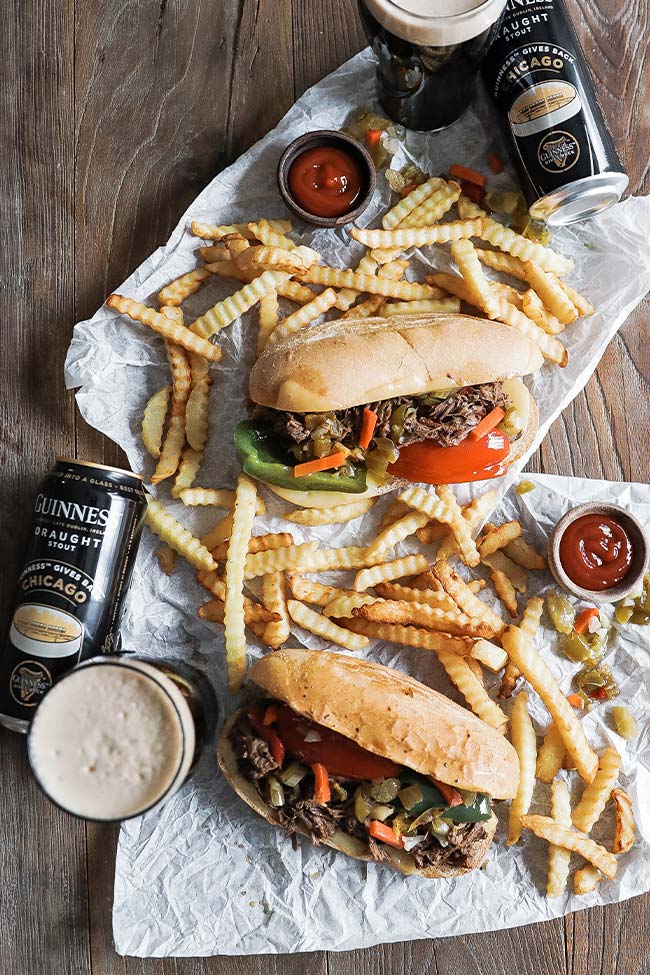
[
  {"x": 322, "y": 792},
  {"x": 495, "y": 162},
  {"x": 451, "y": 796},
  {"x": 581, "y": 624},
  {"x": 576, "y": 701},
  {"x": 320, "y": 464},
  {"x": 373, "y": 136},
  {"x": 462, "y": 172},
  {"x": 380, "y": 831},
  {"x": 487, "y": 424},
  {"x": 271, "y": 714},
  {"x": 368, "y": 424}
]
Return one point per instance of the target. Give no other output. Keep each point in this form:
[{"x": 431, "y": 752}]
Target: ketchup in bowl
[
  {"x": 596, "y": 552},
  {"x": 325, "y": 181}
]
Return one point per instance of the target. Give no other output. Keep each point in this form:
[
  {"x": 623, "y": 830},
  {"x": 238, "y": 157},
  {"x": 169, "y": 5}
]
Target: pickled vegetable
[
  {"x": 624, "y": 723},
  {"x": 338, "y": 792},
  {"x": 408, "y": 175},
  {"x": 524, "y": 487},
  {"x": 596, "y": 684},
  {"x": 293, "y": 775},
  {"x": 640, "y": 618},
  {"x": 539, "y": 232},
  {"x": 275, "y": 792},
  {"x": 623, "y": 613},
  {"x": 586, "y": 648},
  {"x": 381, "y": 812},
  {"x": 362, "y": 805},
  {"x": 411, "y": 796},
  {"x": 385, "y": 790},
  {"x": 561, "y": 612},
  {"x": 384, "y": 148},
  {"x": 499, "y": 201}
]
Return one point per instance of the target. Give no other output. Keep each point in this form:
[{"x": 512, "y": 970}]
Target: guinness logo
[
  {"x": 558, "y": 152},
  {"x": 28, "y": 683}
]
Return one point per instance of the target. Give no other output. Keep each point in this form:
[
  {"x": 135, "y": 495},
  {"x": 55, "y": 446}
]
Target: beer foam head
[
  {"x": 436, "y": 23},
  {"x": 111, "y": 740}
]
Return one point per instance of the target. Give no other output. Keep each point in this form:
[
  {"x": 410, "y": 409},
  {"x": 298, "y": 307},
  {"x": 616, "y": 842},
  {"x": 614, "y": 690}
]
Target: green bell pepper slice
[
  {"x": 432, "y": 798},
  {"x": 263, "y": 457}
]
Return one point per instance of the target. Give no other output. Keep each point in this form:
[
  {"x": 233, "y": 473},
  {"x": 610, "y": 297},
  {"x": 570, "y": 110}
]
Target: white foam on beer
[
  {"x": 107, "y": 741},
  {"x": 436, "y": 22}
]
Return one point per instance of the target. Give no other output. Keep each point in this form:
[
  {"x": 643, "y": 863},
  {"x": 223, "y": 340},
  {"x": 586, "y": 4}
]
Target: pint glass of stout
[
  {"x": 429, "y": 53},
  {"x": 116, "y": 737}
]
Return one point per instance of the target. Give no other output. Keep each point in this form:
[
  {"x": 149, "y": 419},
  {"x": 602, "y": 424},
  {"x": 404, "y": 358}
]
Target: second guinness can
[
  {"x": 71, "y": 591},
  {"x": 560, "y": 145}
]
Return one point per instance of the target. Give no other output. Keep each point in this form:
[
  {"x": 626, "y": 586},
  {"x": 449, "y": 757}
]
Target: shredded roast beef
[
  {"x": 300, "y": 812},
  {"x": 446, "y": 422}
]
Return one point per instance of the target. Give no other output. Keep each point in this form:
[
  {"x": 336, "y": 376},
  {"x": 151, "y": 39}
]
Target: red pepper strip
[
  {"x": 451, "y": 796},
  {"x": 373, "y": 136},
  {"x": 322, "y": 792},
  {"x": 600, "y": 694},
  {"x": 576, "y": 701},
  {"x": 320, "y": 464},
  {"x": 581, "y": 624},
  {"x": 380, "y": 831},
  {"x": 278, "y": 750},
  {"x": 487, "y": 424},
  {"x": 368, "y": 423},
  {"x": 468, "y": 175},
  {"x": 495, "y": 162},
  {"x": 271, "y": 714},
  {"x": 472, "y": 191}
]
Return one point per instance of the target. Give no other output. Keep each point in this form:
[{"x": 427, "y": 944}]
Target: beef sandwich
[
  {"x": 349, "y": 408},
  {"x": 368, "y": 761}
]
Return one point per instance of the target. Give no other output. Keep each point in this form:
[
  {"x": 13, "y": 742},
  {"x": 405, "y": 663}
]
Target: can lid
[
  {"x": 452, "y": 21},
  {"x": 580, "y": 200},
  {"x": 99, "y": 467}
]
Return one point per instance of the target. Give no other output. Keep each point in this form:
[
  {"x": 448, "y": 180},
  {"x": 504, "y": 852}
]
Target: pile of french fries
[{"x": 417, "y": 600}]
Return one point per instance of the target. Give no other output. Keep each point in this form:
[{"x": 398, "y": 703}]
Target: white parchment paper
[{"x": 205, "y": 875}]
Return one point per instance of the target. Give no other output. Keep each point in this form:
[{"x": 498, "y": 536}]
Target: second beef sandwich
[
  {"x": 368, "y": 761},
  {"x": 349, "y": 408}
]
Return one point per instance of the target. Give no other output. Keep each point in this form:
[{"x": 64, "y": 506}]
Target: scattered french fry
[
  {"x": 489, "y": 655},
  {"x": 324, "y": 627},
  {"x": 547, "y": 829},
  {"x": 525, "y": 743},
  {"x": 499, "y": 538},
  {"x": 234, "y": 306},
  {"x": 373, "y": 284},
  {"x": 624, "y": 834},
  {"x": 345, "y": 603},
  {"x": 169, "y": 329},
  {"x": 396, "y": 532},
  {"x": 551, "y": 755},
  {"x": 177, "y": 537},
  {"x": 308, "y": 591},
  {"x": 469, "y": 265},
  {"x": 387, "y": 571},
  {"x": 433, "y": 208},
  {"x": 258, "y": 543},
  {"x": 429, "y": 597},
  {"x": 585, "y": 880},
  {"x": 273, "y": 560},
  {"x": 303, "y": 316},
  {"x": 523, "y": 554},
  {"x": 413, "y": 636},
  {"x": 597, "y": 792},
  {"x": 444, "y": 507},
  {"x": 243, "y": 516},
  {"x": 188, "y": 470},
  {"x": 460, "y": 674},
  {"x": 516, "y": 573},
  {"x": 417, "y": 237},
  {"x": 177, "y": 291},
  {"x": 433, "y": 618},
  {"x": 274, "y": 596},
  {"x": 527, "y": 250},
  {"x": 167, "y": 558},
  {"x": 551, "y": 293},
  {"x": 558, "y": 858},
  {"x": 463, "y": 596},
  {"x": 174, "y": 439},
  {"x": 427, "y": 306},
  {"x": 153, "y": 421},
  {"x": 268, "y": 318},
  {"x": 337, "y": 515},
  {"x": 533, "y": 307},
  {"x": 505, "y": 591},
  {"x": 411, "y": 201}
]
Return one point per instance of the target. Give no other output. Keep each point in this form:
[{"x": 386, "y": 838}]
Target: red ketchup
[
  {"x": 596, "y": 552},
  {"x": 325, "y": 181}
]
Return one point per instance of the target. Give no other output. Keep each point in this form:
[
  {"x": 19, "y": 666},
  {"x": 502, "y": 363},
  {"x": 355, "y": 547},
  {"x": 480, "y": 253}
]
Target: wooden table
[{"x": 115, "y": 115}]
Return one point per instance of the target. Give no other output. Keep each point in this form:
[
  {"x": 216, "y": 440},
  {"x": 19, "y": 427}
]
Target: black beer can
[
  {"x": 71, "y": 592},
  {"x": 556, "y": 134}
]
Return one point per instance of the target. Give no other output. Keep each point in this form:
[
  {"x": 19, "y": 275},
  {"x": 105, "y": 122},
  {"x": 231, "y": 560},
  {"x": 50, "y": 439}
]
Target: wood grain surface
[{"x": 115, "y": 114}]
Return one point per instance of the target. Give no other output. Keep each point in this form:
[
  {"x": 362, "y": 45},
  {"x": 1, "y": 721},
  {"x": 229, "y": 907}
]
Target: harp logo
[
  {"x": 28, "y": 682},
  {"x": 558, "y": 151}
]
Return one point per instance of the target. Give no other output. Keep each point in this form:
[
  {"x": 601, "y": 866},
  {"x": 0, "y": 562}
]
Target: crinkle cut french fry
[
  {"x": 372, "y": 284},
  {"x": 493, "y": 540},
  {"x": 220, "y": 532},
  {"x": 419, "y": 236},
  {"x": 585, "y": 880},
  {"x": 597, "y": 792},
  {"x": 433, "y": 208},
  {"x": 234, "y": 306},
  {"x": 308, "y": 591},
  {"x": 188, "y": 470},
  {"x": 469, "y": 265},
  {"x": 533, "y": 307},
  {"x": 507, "y": 240},
  {"x": 463, "y": 596},
  {"x": 409, "y": 565},
  {"x": 427, "y": 306},
  {"x": 409, "y": 612},
  {"x": 525, "y": 555},
  {"x": 536, "y": 672},
  {"x": 324, "y": 627},
  {"x": 489, "y": 655},
  {"x": 274, "y": 596},
  {"x": 368, "y": 308},
  {"x": 293, "y": 291},
  {"x": 547, "y": 829},
  {"x": 505, "y": 591},
  {"x": 551, "y": 293},
  {"x": 171, "y": 330},
  {"x": 210, "y": 231},
  {"x": 177, "y": 291},
  {"x": 428, "y": 597},
  {"x": 153, "y": 421},
  {"x": 397, "y": 532},
  {"x": 558, "y": 859},
  {"x": 551, "y": 755},
  {"x": 411, "y": 201},
  {"x": 167, "y": 558},
  {"x": 177, "y": 537},
  {"x": 243, "y": 517},
  {"x": 346, "y": 602},
  {"x": 550, "y": 347},
  {"x": 511, "y": 676},
  {"x": 174, "y": 440},
  {"x": 471, "y": 688},
  {"x": 584, "y": 306},
  {"x": 310, "y": 559},
  {"x": 525, "y": 744},
  {"x": 291, "y": 557},
  {"x": 347, "y": 296},
  {"x": 444, "y": 507},
  {"x": 395, "y": 510},
  {"x": 624, "y": 834},
  {"x": 258, "y": 543},
  {"x": 303, "y": 316},
  {"x": 268, "y": 318},
  {"x": 196, "y": 410},
  {"x": 413, "y": 636},
  {"x": 337, "y": 515},
  {"x": 272, "y": 233},
  {"x": 260, "y": 257}
]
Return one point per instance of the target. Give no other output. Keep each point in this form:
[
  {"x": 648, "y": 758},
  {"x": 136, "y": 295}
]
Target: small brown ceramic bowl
[
  {"x": 640, "y": 553},
  {"x": 327, "y": 137}
]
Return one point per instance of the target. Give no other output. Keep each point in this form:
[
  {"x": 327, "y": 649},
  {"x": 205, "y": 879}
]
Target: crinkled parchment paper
[{"x": 204, "y": 875}]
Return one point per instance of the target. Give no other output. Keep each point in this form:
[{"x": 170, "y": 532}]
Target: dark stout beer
[
  {"x": 70, "y": 594},
  {"x": 429, "y": 54},
  {"x": 555, "y": 131}
]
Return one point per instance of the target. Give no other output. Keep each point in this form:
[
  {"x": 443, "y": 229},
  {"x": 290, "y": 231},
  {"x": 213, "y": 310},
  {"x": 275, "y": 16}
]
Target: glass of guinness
[
  {"x": 429, "y": 53},
  {"x": 117, "y": 736}
]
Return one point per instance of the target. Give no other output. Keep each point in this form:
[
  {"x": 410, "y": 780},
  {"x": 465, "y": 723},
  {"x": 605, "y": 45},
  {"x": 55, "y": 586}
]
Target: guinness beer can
[
  {"x": 558, "y": 140},
  {"x": 71, "y": 592}
]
